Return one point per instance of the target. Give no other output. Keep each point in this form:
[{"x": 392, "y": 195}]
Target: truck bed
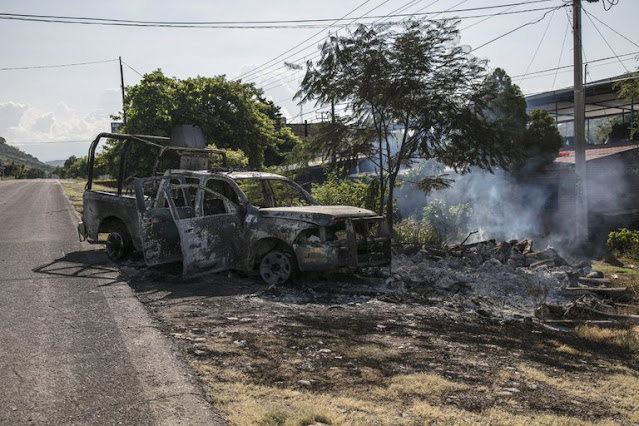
[{"x": 103, "y": 206}]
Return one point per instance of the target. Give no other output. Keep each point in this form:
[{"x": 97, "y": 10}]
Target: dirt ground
[{"x": 347, "y": 349}]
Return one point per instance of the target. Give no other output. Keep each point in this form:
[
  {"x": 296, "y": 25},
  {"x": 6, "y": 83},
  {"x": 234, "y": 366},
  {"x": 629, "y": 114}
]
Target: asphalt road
[{"x": 76, "y": 347}]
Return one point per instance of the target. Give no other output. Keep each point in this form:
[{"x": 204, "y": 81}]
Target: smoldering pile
[{"x": 501, "y": 280}]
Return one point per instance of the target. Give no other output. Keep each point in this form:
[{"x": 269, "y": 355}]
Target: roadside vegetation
[
  {"x": 74, "y": 189},
  {"x": 15, "y": 164}
]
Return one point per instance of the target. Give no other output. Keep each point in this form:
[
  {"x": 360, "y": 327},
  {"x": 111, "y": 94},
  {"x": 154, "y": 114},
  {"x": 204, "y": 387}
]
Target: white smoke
[{"x": 537, "y": 205}]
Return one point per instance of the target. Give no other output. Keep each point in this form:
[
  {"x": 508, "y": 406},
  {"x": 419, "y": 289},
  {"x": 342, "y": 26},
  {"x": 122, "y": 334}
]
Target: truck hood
[{"x": 319, "y": 215}]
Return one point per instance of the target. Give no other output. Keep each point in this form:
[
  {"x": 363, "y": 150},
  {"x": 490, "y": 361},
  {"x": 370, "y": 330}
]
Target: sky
[{"x": 54, "y": 112}]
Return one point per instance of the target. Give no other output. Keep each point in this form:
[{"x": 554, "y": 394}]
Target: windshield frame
[{"x": 269, "y": 194}]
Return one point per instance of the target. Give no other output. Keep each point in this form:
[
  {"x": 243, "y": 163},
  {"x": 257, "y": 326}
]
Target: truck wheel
[
  {"x": 277, "y": 266},
  {"x": 118, "y": 243}
]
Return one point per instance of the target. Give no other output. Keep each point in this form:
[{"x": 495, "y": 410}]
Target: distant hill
[
  {"x": 55, "y": 163},
  {"x": 10, "y": 154}
]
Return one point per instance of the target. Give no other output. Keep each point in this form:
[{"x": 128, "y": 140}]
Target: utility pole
[
  {"x": 581, "y": 202},
  {"x": 122, "y": 87}
]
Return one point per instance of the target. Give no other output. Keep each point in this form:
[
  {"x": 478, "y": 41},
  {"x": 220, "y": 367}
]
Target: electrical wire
[
  {"x": 279, "y": 82},
  {"x": 518, "y": 28},
  {"x": 47, "y": 142},
  {"x": 58, "y": 65},
  {"x": 465, "y": 17},
  {"x": 570, "y": 66},
  {"x": 255, "y": 70},
  {"x": 278, "y": 78},
  {"x": 272, "y": 84},
  {"x": 561, "y": 54},
  {"x": 543, "y": 36},
  {"x": 132, "y": 69},
  {"x": 317, "y": 54},
  {"x": 611, "y": 3},
  {"x": 209, "y": 24},
  {"x": 611, "y": 29},
  {"x": 484, "y": 20},
  {"x": 606, "y": 41}
]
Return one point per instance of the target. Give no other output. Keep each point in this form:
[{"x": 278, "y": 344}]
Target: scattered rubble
[{"x": 510, "y": 280}]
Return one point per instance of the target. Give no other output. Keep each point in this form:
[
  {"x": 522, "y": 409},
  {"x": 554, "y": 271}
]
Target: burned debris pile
[{"x": 509, "y": 280}]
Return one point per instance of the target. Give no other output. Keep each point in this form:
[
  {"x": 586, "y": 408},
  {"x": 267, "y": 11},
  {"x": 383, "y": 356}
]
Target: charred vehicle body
[{"x": 219, "y": 220}]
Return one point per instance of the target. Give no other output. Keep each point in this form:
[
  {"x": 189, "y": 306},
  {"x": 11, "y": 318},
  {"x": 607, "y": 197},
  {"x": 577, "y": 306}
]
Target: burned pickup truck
[{"x": 233, "y": 220}]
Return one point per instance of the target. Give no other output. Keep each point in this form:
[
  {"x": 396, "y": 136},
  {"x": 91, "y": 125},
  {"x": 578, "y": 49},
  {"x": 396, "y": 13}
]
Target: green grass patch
[
  {"x": 629, "y": 269},
  {"x": 621, "y": 276}
]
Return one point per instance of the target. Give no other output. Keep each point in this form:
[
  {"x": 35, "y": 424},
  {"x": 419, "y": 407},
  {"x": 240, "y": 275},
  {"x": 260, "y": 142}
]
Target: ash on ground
[{"x": 506, "y": 280}]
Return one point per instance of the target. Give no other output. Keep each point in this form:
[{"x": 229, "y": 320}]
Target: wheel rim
[
  {"x": 115, "y": 245},
  {"x": 275, "y": 267}
]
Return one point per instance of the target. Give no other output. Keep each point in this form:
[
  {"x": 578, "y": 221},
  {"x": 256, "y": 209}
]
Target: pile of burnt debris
[{"x": 509, "y": 279}]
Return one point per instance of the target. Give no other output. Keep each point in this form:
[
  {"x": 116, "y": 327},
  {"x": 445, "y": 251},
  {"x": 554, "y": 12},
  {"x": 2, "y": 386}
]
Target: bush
[
  {"x": 411, "y": 231},
  {"x": 624, "y": 242},
  {"x": 449, "y": 221},
  {"x": 345, "y": 192}
]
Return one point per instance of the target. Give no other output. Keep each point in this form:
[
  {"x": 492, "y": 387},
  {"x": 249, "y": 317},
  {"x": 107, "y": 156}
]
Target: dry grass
[
  {"x": 373, "y": 352},
  {"x": 410, "y": 231},
  {"x": 427, "y": 386},
  {"x": 415, "y": 399},
  {"x": 74, "y": 188},
  {"x": 626, "y": 338},
  {"x": 619, "y": 390},
  {"x": 566, "y": 349}
]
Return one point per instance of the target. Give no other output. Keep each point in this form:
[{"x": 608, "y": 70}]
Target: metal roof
[
  {"x": 600, "y": 97},
  {"x": 567, "y": 156}
]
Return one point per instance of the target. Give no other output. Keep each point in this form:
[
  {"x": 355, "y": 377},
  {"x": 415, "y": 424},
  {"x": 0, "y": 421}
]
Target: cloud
[
  {"x": 42, "y": 132},
  {"x": 10, "y": 115},
  {"x": 43, "y": 123}
]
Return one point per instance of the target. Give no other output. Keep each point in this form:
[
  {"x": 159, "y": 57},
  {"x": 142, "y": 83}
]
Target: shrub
[
  {"x": 624, "y": 242},
  {"x": 449, "y": 221},
  {"x": 410, "y": 231},
  {"x": 345, "y": 192}
]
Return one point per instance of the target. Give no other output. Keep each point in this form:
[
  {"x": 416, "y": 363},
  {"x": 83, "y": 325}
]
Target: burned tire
[
  {"x": 278, "y": 266},
  {"x": 118, "y": 243}
]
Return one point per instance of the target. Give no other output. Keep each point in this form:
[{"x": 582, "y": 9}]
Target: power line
[
  {"x": 519, "y": 27},
  {"x": 611, "y": 3},
  {"x": 543, "y": 36},
  {"x": 47, "y": 142},
  {"x": 272, "y": 84},
  {"x": 279, "y": 81},
  {"x": 611, "y": 29},
  {"x": 484, "y": 20},
  {"x": 570, "y": 66},
  {"x": 606, "y": 41},
  {"x": 223, "y": 24},
  {"x": 296, "y": 46},
  {"x": 561, "y": 54},
  {"x": 57, "y": 66},
  {"x": 353, "y": 20},
  {"x": 132, "y": 69}
]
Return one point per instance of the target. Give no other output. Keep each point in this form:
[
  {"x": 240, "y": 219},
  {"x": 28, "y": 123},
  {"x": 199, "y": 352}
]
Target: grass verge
[{"x": 74, "y": 189}]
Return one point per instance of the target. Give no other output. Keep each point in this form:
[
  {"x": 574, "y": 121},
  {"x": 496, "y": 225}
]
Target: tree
[
  {"x": 18, "y": 171},
  {"x": 542, "y": 140},
  {"x": 417, "y": 81},
  {"x": 345, "y": 192},
  {"x": 337, "y": 144},
  {"x": 35, "y": 173},
  {"x": 629, "y": 89},
  {"x": 232, "y": 115}
]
